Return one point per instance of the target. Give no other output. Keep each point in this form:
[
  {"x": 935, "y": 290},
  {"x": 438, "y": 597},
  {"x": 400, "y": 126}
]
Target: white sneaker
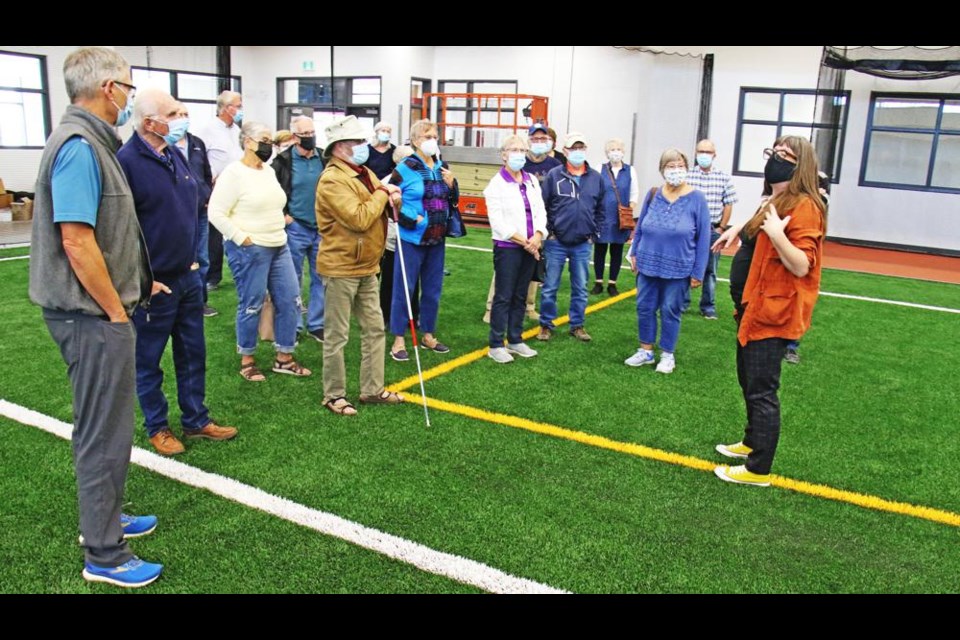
[
  {"x": 667, "y": 363},
  {"x": 500, "y": 355},
  {"x": 521, "y": 349},
  {"x": 640, "y": 358}
]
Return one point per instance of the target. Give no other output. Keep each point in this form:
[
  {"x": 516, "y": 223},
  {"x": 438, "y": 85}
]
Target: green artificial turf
[{"x": 870, "y": 409}]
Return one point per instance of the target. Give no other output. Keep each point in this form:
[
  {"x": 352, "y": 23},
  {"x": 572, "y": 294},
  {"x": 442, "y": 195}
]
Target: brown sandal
[
  {"x": 385, "y": 397},
  {"x": 340, "y": 406},
  {"x": 251, "y": 373},
  {"x": 291, "y": 367}
]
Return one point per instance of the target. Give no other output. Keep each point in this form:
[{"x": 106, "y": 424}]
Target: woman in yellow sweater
[{"x": 246, "y": 206}]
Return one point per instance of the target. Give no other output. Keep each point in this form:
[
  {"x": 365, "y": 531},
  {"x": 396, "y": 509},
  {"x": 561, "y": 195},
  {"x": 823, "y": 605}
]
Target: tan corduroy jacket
[{"x": 351, "y": 221}]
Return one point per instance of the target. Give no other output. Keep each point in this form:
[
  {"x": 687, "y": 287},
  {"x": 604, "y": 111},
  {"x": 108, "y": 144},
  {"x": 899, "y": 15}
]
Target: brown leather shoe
[
  {"x": 545, "y": 334},
  {"x": 580, "y": 334},
  {"x": 212, "y": 431},
  {"x": 166, "y": 443}
]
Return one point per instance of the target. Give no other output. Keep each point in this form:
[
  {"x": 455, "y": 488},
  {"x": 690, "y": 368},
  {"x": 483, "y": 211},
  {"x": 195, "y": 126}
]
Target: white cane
[{"x": 413, "y": 328}]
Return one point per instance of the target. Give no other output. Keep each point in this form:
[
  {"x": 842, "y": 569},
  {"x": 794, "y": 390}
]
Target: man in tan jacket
[{"x": 351, "y": 219}]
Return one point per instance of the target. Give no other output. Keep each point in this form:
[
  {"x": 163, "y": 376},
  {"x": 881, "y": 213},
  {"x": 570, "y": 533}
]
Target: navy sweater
[{"x": 165, "y": 195}]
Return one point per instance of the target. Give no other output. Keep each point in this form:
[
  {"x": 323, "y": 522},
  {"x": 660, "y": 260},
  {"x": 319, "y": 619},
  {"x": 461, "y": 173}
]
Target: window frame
[
  {"x": 44, "y": 92},
  {"x": 338, "y": 103},
  {"x": 936, "y": 131},
  {"x": 780, "y": 123}
]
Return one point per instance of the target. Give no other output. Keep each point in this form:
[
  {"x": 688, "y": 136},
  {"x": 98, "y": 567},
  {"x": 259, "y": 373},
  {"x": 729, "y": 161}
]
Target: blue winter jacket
[{"x": 574, "y": 211}]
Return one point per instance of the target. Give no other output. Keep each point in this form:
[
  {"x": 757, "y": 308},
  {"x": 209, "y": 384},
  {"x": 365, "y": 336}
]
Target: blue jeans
[
  {"x": 426, "y": 263},
  {"x": 203, "y": 250},
  {"x": 304, "y": 242},
  {"x": 557, "y": 255},
  {"x": 666, "y": 296},
  {"x": 257, "y": 270},
  {"x": 178, "y": 314},
  {"x": 708, "y": 294}
]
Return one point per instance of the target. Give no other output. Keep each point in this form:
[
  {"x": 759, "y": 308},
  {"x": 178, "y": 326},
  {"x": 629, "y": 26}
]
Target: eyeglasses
[
  {"x": 305, "y": 134},
  {"x": 780, "y": 154},
  {"x": 540, "y": 139},
  {"x": 131, "y": 89}
]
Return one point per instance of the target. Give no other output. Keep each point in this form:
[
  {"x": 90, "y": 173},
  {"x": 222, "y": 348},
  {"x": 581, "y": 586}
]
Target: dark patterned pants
[{"x": 758, "y": 371}]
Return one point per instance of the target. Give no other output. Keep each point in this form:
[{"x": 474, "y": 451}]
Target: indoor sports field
[{"x": 565, "y": 472}]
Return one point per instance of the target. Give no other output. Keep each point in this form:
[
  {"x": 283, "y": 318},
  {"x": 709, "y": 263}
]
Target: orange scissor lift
[{"x": 471, "y": 126}]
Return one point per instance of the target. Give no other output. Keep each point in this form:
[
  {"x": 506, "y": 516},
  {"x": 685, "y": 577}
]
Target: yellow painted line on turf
[
  {"x": 473, "y": 356},
  {"x": 650, "y": 453}
]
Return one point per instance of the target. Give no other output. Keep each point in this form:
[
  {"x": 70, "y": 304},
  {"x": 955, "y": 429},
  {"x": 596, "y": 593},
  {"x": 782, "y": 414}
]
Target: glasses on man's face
[
  {"x": 540, "y": 139},
  {"x": 131, "y": 90},
  {"x": 780, "y": 154},
  {"x": 305, "y": 134}
]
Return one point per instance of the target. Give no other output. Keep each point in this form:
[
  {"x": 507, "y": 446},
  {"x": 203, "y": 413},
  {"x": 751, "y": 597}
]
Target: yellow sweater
[{"x": 248, "y": 203}]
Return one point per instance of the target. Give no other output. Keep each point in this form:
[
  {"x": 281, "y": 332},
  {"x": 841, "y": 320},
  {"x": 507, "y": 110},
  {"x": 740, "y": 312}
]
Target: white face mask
[
  {"x": 615, "y": 156},
  {"x": 430, "y": 147},
  {"x": 675, "y": 177}
]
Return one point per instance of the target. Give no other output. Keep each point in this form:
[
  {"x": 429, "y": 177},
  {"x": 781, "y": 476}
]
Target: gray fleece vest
[{"x": 53, "y": 284}]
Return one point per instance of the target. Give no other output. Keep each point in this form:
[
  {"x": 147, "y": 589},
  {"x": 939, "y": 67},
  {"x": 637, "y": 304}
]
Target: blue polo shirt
[
  {"x": 75, "y": 183},
  {"x": 303, "y": 187}
]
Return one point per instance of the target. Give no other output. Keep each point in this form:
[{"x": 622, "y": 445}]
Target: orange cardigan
[{"x": 778, "y": 303}]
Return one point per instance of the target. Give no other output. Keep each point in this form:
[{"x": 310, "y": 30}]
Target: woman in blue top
[
  {"x": 620, "y": 189},
  {"x": 669, "y": 253},
  {"x": 429, "y": 190}
]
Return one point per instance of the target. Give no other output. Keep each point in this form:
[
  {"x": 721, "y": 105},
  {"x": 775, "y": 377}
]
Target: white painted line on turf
[
  {"x": 15, "y": 258},
  {"x": 456, "y": 568},
  {"x": 846, "y": 296}
]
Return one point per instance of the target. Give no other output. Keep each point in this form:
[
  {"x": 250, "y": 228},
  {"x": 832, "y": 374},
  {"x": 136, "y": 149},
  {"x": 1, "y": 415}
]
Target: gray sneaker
[
  {"x": 500, "y": 355},
  {"x": 521, "y": 349},
  {"x": 792, "y": 356},
  {"x": 640, "y": 358}
]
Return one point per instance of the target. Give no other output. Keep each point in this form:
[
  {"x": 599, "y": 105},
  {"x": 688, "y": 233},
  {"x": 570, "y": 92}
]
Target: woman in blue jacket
[
  {"x": 671, "y": 245},
  {"x": 620, "y": 189},
  {"x": 429, "y": 191}
]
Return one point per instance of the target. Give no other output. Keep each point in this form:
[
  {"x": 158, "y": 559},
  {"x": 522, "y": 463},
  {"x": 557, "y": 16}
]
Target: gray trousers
[{"x": 100, "y": 358}]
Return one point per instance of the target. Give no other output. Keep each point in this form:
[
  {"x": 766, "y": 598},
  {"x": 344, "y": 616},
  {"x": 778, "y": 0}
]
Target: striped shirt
[{"x": 717, "y": 187}]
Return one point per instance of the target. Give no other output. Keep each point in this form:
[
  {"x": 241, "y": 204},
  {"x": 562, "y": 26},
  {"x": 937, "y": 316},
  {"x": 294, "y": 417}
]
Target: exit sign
[{"x": 308, "y": 65}]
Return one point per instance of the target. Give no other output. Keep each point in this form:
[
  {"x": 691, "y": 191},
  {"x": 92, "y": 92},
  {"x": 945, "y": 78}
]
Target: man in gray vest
[{"x": 88, "y": 271}]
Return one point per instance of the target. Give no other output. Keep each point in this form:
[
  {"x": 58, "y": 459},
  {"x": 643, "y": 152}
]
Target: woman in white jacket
[{"x": 518, "y": 221}]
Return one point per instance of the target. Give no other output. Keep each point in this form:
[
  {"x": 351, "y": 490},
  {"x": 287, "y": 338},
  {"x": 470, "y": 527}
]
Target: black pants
[
  {"x": 386, "y": 289},
  {"x": 758, "y": 371},
  {"x": 512, "y": 271},
  {"x": 215, "y": 247},
  {"x": 600, "y": 254}
]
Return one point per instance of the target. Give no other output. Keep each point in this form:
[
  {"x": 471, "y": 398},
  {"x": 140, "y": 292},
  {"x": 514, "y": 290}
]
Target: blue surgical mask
[
  {"x": 704, "y": 160},
  {"x": 123, "y": 115},
  {"x": 238, "y": 117},
  {"x": 176, "y": 129},
  {"x": 540, "y": 148},
  {"x": 577, "y": 157},
  {"x": 383, "y": 136},
  {"x": 516, "y": 160},
  {"x": 361, "y": 153}
]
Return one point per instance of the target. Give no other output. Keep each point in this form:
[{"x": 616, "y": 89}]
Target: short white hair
[
  {"x": 225, "y": 98},
  {"x": 86, "y": 70},
  {"x": 148, "y": 103},
  {"x": 254, "y": 130},
  {"x": 383, "y": 124},
  {"x": 301, "y": 118}
]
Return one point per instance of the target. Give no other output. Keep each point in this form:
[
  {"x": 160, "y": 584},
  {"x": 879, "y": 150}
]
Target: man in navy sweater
[
  {"x": 573, "y": 195},
  {"x": 165, "y": 196}
]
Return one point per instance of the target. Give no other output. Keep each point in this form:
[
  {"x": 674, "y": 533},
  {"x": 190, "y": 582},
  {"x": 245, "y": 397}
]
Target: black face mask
[
  {"x": 778, "y": 170},
  {"x": 308, "y": 142},
  {"x": 264, "y": 150}
]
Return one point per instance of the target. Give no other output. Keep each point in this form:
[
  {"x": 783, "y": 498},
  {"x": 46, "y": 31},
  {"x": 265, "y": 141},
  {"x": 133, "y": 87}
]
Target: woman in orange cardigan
[{"x": 774, "y": 282}]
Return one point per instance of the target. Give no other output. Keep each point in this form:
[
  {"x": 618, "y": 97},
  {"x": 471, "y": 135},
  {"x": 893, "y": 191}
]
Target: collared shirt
[
  {"x": 223, "y": 144},
  {"x": 717, "y": 187},
  {"x": 303, "y": 187}
]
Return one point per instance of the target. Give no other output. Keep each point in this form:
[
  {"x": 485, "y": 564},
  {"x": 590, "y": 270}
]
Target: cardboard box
[
  {"x": 22, "y": 211},
  {"x": 5, "y": 198}
]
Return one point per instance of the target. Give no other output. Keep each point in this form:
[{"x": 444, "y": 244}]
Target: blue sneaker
[
  {"x": 134, "y": 526},
  {"x": 132, "y": 573}
]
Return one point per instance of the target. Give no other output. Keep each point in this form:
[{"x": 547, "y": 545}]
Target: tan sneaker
[
  {"x": 166, "y": 443},
  {"x": 545, "y": 334},
  {"x": 580, "y": 334},
  {"x": 212, "y": 431}
]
